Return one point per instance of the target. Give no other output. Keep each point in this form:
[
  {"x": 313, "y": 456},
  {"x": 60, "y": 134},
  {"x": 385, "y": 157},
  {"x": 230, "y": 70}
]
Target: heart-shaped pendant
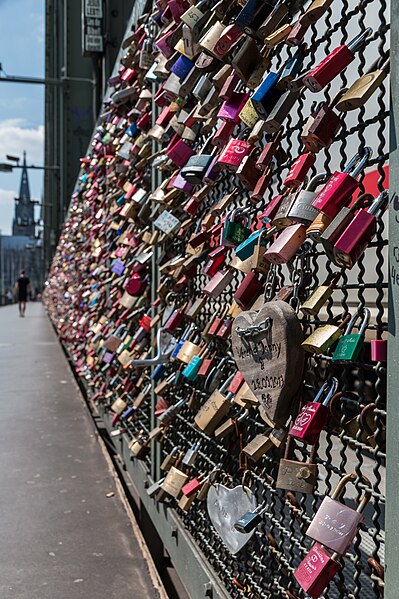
[
  {"x": 225, "y": 507},
  {"x": 267, "y": 349}
]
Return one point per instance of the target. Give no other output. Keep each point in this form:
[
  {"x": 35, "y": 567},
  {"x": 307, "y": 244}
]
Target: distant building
[
  {"x": 24, "y": 220},
  {"x": 23, "y": 249}
]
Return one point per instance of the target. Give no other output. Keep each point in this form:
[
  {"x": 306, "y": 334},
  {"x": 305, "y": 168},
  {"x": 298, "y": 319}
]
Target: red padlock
[
  {"x": 223, "y": 133},
  {"x": 334, "y": 63},
  {"x": 248, "y": 290},
  {"x": 136, "y": 285},
  {"x": 236, "y": 383},
  {"x": 191, "y": 488},
  {"x": 271, "y": 209},
  {"x": 317, "y": 570},
  {"x": 379, "y": 350},
  {"x": 248, "y": 173},
  {"x": 354, "y": 240},
  {"x": 339, "y": 188},
  {"x": 313, "y": 417},
  {"x": 229, "y": 37},
  {"x": 261, "y": 187},
  {"x": 299, "y": 170}
]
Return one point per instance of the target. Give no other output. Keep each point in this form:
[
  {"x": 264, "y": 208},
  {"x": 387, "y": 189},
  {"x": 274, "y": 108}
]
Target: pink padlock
[
  {"x": 379, "y": 350},
  {"x": 284, "y": 248},
  {"x": 136, "y": 285},
  {"x": 232, "y": 155},
  {"x": 218, "y": 283},
  {"x": 232, "y": 107},
  {"x": 317, "y": 570},
  {"x": 180, "y": 152}
]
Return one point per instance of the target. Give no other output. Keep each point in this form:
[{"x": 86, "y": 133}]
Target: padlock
[
  {"x": 235, "y": 229},
  {"x": 251, "y": 14},
  {"x": 174, "y": 481},
  {"x": 223, "y": 133},
  {"x": 139, "y": 448},
  {"x": 281, "y": 218},
  {"x": 249, "y": 290},
  {"x": 261, "y": 186},
  {"x": 180, "y": 152},
  {"x": 318, "y": 226},
  {"x": 190, "y": 372},
  {"x": 334, "y": 63},
  {"x": 169, "y": 460},
  {"x": 299, "y": 170},
  {"x": 296, "y": 476},
  {"x": 293, "y": 66},
  {"x": 258, "y": 447},
  {"x": 323, "y": 126},
  {"x": 335, "y": 525},
  {"x": 191, "y": 455},
  {"x": 279, "y": 110},
  {"x": 277, "y": 36},
  {"x": 269, "y": 151},
  {"x": 354, "y": 240},
  {"x": 314, "y": 303},
  {"x": 247, "y": 173},
  {"x": 246, "y": 59},
  {"x": 301, "y": 210},
  {"x": 246, "y": 248},
  {"x": 360, "y": 91},
  {"x": 288, "y": 242},
  {"x": 350, "y": 344},
  {"x": 250, "y": 520},
  {"x": 340, "y": 223},
  {"x": 230, "y": 425},
  {"x": 324, "y": 337},
  {"x": 341, "y": 185},
  {"x": 379, "y": 350},
  {"x": 191, "y": 488},
  {"x": 316, "y": 570},
  {"x": 154, "y": 488},
  {"x": 214, "y": 409},
  {"x": 218, "y": 283},
  {"x": 229, "y": 86},
  {"x": 232, "y": 155},
  {"x": 266, "y": 95},
  {"x": 313, "y": 417},
  {"x": 231, "y": 108}
]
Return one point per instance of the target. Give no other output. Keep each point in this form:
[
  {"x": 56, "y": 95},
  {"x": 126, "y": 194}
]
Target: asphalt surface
[{"x": 61, "y": 537}]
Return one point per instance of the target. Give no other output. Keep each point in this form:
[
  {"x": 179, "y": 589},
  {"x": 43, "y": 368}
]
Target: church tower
[{"x": 24, "y": 219}]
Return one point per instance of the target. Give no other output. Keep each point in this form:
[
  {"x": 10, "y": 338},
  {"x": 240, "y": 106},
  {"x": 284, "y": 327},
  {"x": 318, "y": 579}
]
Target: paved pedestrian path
[{"x": 61, "y": 537}]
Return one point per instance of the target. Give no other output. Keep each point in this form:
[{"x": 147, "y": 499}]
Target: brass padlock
[
  {"x": 324, "y": 337},
  {"x": 316, "y": 301},
  {"x": 174, "y": 481},
  {"x": 258, "y": 446},
  {"x": 297, "y": 476},
  {"x": 214, "y": 409}
]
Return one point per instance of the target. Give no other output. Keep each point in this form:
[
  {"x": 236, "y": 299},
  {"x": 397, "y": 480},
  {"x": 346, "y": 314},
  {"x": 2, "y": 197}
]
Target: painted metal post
[{"x": 392, "y": 464}]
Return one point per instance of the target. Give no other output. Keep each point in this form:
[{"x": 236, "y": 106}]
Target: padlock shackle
[
  {"x": 328, "y": 388},
  {"x": 332, "y": 279},
  {"x": 359, "y": 40},
  {"x": 163, "y": 353},
  {"x": 352, "y": 477},
  {"x": 379, "y": 203},
  {"x": 360, "y": 312},
  {"x": 317, "y": 180},
  {"x": 358, "y": 162},
  {"x": 227, "y": 382}
]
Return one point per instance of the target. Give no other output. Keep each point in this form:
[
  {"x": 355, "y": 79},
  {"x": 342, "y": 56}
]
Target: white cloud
[{"x": 16, "y": 136}]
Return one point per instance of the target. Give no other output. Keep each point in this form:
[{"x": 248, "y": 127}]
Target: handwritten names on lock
[{"x": 266, "y": 346}]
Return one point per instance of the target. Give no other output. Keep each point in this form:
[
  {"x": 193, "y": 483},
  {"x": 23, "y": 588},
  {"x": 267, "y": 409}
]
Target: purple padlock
[
  {"x": 108, "y": 357},
  {"x": 232, "y": 107},
  {"x": 180, "y": 152},
  {"x": 180, "y": 183},
  {"x": 118, "y": 267}
]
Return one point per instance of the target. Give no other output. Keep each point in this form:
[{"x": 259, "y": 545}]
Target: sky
[{"x": 22, "y": 24}]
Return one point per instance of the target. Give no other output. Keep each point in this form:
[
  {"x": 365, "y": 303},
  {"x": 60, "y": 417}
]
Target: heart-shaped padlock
[
  {"x": 225, "y": 507},
  {"x": 267, "y": 349}
]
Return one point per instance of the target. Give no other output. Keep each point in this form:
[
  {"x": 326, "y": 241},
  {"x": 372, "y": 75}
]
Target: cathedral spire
[{"x": 24, "y": 191}]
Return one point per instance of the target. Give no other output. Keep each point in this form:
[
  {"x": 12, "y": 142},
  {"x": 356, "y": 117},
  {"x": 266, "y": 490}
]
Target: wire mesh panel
[{"x": 150, "y": 255}]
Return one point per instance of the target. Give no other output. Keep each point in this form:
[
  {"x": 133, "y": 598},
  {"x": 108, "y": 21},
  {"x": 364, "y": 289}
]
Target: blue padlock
[
  {"x": 132, "y": 131},
  {"x": 158, "y": 372},
  {"x": 182, "y": 67},
  {"x": 190, "y": 372},
  {"x": 246, "y": 248},
  {"x": 266, "y": 95}
]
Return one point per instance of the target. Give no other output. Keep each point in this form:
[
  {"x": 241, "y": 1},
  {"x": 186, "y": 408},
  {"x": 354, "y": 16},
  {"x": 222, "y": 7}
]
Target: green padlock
[
  {"x": 234, "y": 231},
  {"x": 350, "y": 344}
]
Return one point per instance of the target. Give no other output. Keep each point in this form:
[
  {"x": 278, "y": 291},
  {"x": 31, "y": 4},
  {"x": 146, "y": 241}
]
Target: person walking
[{"x": 22, "y": 285}]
